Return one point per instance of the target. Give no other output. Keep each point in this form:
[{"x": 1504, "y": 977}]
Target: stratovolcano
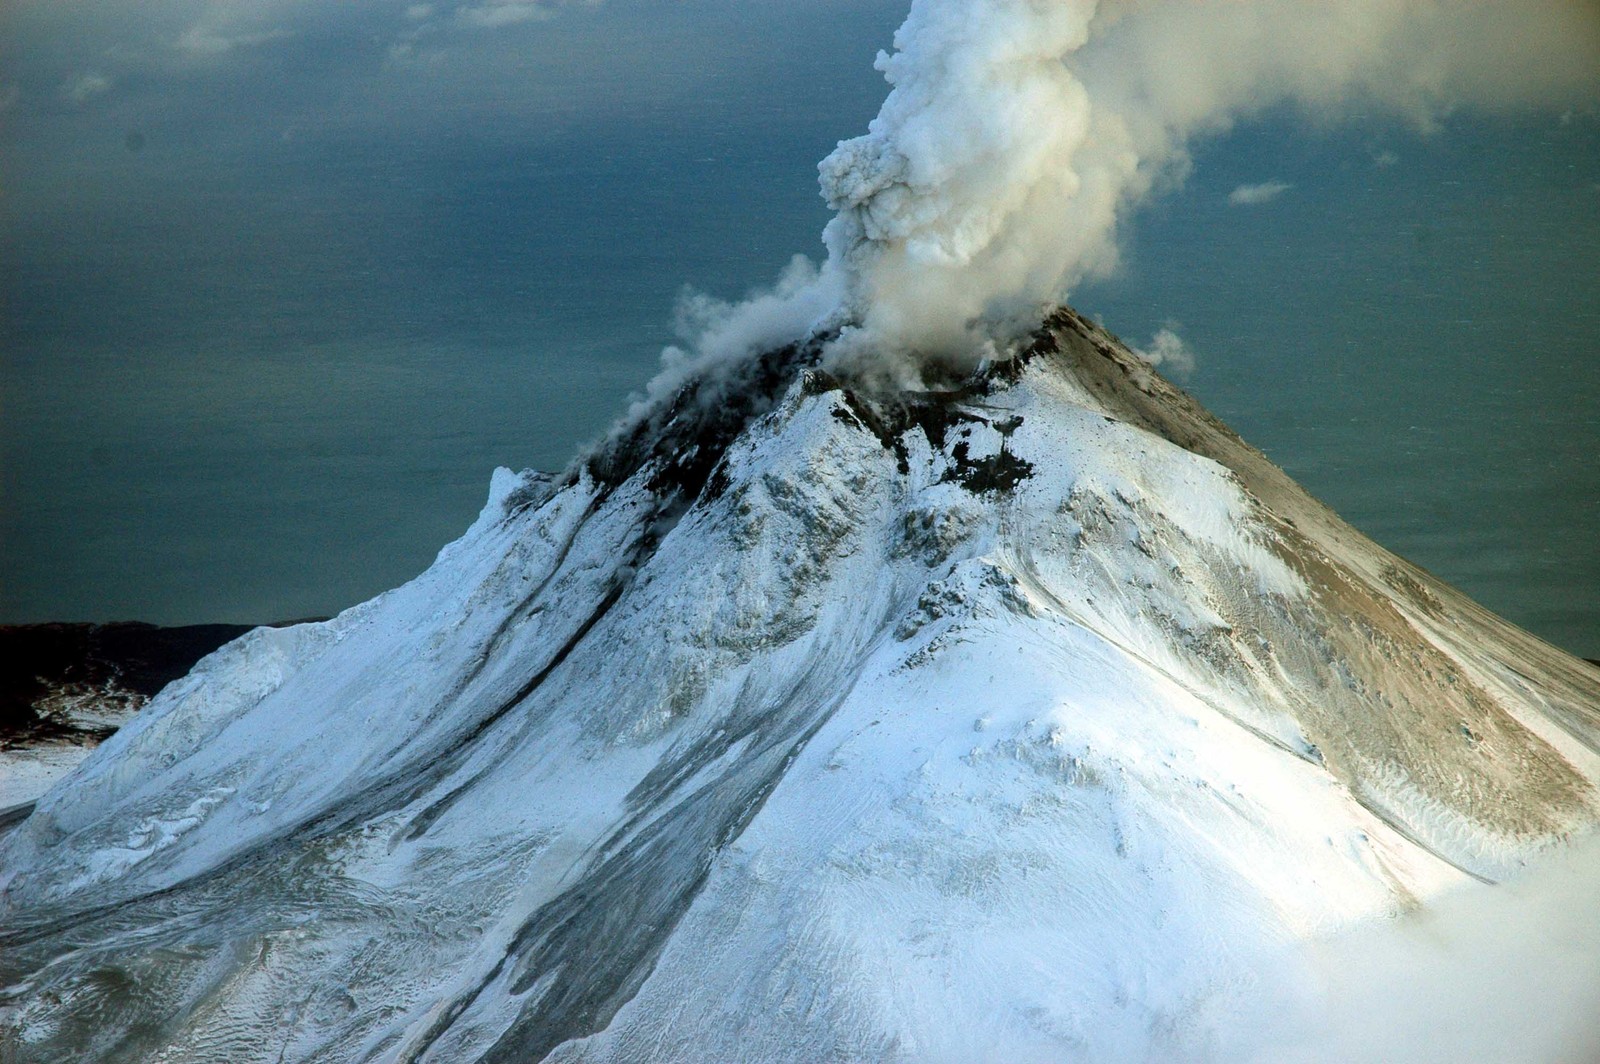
[{"x": 1029, "y": 715}]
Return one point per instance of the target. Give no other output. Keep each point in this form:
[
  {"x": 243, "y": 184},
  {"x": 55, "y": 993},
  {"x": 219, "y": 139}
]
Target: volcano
[{"x": 1024, "y": 716}]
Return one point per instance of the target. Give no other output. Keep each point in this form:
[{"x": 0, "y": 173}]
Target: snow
[
  {"x": 30, "y": 767},
  {"x": 27, "y": 773},
  {"x": 847, "y": 754}
]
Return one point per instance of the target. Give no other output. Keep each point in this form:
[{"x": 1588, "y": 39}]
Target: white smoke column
[
  {"x": 1019, "y": 133},
  {"x": 978, "y": 136}
]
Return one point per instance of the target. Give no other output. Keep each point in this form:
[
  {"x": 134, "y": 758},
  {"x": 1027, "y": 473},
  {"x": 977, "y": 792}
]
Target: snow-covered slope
[{"x": 1021, "y": 720}]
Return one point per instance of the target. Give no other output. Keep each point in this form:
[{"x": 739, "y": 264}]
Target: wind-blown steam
[{"x": 1020, "y": 133}]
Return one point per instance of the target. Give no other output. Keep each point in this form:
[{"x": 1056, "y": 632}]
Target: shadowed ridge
[{"x": 685, "y": 436}]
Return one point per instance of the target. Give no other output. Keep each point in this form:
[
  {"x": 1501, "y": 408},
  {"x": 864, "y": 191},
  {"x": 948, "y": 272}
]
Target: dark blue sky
[{"x": 283, "y": 282}]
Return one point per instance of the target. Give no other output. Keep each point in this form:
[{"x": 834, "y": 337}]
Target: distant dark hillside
[{"x": 128, "y": 660}]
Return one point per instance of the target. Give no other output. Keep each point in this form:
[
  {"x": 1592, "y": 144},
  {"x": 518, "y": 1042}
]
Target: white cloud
[
  {"x": 86, "y": 87},
  {"x": 200, "y": 40},
  {"x": 496, "y": 13},
  {"x": 1249, "y": 195},
  {"x": 1481, "y": 976}
]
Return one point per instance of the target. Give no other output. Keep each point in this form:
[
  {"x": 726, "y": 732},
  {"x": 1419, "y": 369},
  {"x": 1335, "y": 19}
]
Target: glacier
[{"x": 1028, "y": 716}]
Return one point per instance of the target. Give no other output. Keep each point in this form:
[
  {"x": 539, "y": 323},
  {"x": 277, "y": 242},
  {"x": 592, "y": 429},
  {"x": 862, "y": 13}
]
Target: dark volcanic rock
[{"x": 128, "y": 661}]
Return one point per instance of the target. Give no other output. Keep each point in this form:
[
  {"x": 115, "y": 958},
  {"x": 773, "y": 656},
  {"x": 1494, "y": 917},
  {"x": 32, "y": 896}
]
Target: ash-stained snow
[{"x": 1039, "y": 718}]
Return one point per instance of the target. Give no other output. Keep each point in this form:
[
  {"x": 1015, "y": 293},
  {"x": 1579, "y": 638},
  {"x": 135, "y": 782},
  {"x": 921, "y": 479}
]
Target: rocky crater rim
[{"x": 682, "y": 439}]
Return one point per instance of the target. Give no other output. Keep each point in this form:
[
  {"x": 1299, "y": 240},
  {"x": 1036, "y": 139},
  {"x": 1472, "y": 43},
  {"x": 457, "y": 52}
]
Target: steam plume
[{"x": 1019, "y": 134}]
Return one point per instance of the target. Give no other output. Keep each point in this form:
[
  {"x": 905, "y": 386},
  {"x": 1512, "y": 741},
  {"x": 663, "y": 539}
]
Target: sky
[{"x": 282, "y": 282}]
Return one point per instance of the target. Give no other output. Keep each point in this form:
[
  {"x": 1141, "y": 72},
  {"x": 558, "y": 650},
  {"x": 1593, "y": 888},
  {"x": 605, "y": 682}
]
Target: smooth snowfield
[{"x": 1034, "y": 719}]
